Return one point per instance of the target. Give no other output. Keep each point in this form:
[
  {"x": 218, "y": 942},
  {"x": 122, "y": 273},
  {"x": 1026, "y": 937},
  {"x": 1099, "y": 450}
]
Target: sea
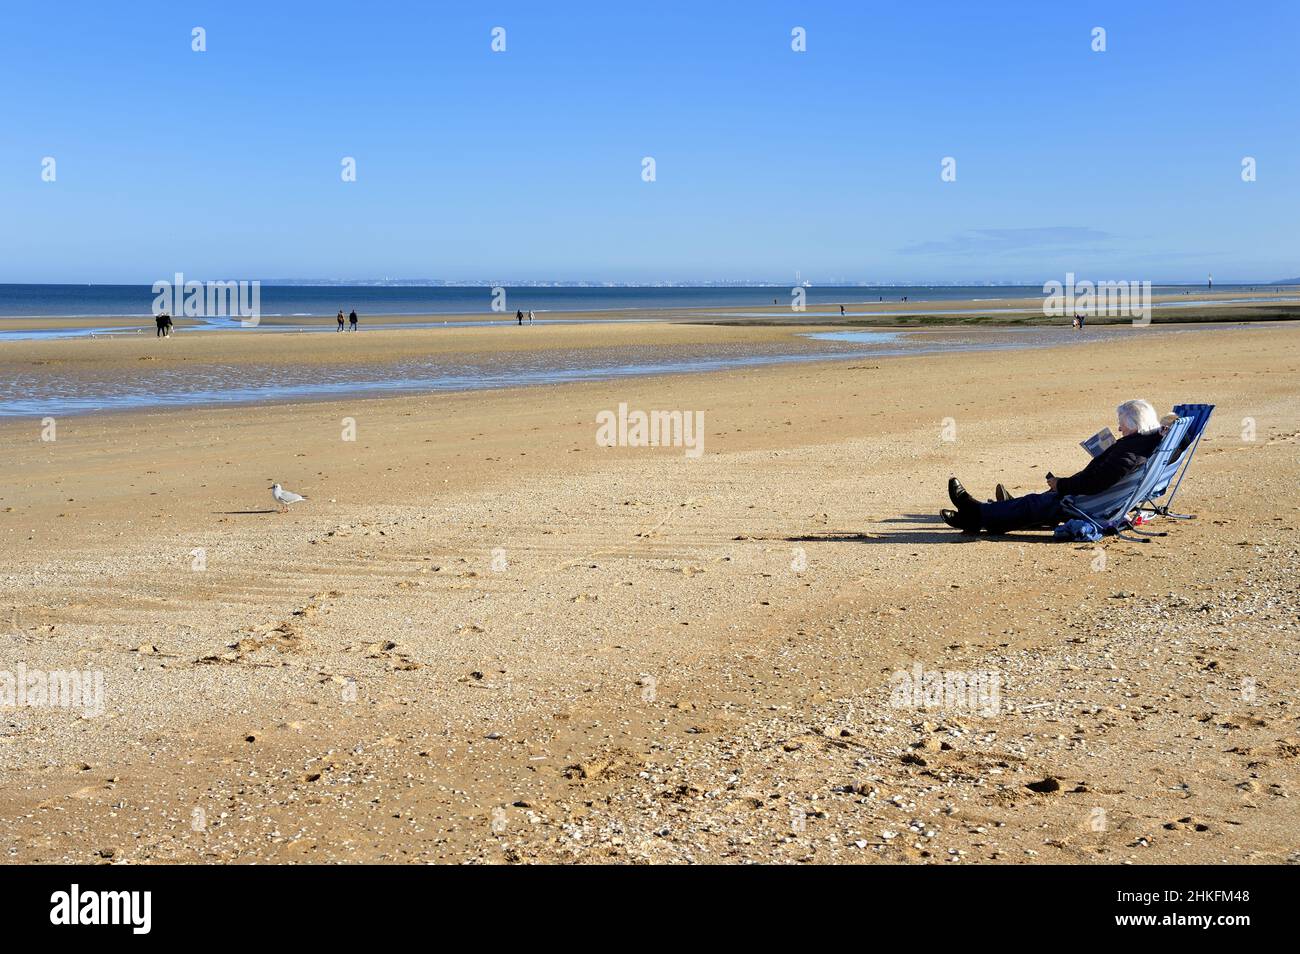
[{"x": 302, "y": 300}]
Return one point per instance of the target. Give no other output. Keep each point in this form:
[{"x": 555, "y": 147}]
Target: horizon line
[{"x": 594, "y": 283}]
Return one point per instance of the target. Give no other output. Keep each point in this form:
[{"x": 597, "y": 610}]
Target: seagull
[{"x": 284, "y": 497}]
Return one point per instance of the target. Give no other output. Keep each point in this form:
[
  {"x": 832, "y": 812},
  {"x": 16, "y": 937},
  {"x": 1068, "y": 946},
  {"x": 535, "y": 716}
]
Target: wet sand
[
  {"x": 484, "y": 638},
  {"x": 67, "y": 376}
]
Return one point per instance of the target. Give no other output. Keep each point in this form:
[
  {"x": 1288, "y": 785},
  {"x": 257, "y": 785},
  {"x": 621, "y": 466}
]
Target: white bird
[{"x": 285, "y": 497}]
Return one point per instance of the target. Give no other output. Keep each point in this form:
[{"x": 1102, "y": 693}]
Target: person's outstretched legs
[
  {"x": 1001, "y": 516},
  {"x": 1019, "y": 513}
]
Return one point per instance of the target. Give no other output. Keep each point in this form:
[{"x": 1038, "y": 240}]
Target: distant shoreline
[
  {"x": 1011, "y": 312},
  {"x": 30, "y": 304}
]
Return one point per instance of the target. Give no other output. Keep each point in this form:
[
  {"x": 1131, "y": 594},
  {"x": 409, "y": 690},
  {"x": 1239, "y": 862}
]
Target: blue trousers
[{"x": 1019, "y": 513}]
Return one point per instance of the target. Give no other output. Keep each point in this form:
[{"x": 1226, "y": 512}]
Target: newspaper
[{"x": 1098, "y": 442}]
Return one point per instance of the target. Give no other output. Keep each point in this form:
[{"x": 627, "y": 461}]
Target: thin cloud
[{"x": 1001, "y": 241}]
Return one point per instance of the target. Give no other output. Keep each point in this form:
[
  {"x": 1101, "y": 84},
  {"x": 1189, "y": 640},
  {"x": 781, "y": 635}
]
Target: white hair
[{"x": 1138, "y": 415}]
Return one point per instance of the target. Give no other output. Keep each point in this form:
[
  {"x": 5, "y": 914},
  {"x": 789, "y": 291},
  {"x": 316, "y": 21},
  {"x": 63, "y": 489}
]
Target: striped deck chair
[
  {"x": 1177, "y": 466},
  {"x": 1110, "y": 509}
]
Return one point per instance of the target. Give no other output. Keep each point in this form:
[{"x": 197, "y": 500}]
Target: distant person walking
[
  {"x": 519, "y": 316},
  {"x": 164, "y": 323},
  {"x": 841, "y": 311},
  {"x": 530, "y": 316},
  {"x": 340, "y": 327},
  {"x": 352, "y": 319}
]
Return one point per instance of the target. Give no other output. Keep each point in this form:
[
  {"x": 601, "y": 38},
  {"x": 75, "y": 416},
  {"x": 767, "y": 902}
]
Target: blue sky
[{"x": 526, "y": 165}]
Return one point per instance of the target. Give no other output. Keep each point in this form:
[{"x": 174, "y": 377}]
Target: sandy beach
[{"x": 485, "y": 638}]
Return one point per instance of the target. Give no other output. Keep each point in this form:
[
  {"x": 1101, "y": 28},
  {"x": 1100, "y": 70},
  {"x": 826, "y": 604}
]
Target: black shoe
[
  {"x": 1001, "y": 493},
  {"x": 957, "y": 493},
  {"x": 959, "y": 521}
]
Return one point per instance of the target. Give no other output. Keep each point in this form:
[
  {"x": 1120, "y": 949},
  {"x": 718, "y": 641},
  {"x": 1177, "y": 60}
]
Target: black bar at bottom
[{"x": 212, "y": 903}]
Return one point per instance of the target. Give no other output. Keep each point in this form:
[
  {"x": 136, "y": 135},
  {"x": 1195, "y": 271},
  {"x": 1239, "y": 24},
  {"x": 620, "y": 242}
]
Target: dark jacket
[{"x": 1112, "y": 465}]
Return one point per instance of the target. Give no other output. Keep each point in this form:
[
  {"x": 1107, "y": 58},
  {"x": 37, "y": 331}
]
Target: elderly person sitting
[{"x": 1140, "y": 434}]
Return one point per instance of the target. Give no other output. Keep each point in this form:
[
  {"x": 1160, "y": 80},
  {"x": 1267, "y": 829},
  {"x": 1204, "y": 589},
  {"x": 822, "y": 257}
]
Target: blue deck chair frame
[
  {"x": 1109, "y": 510},
  {"x": 1199, "y": 415}
]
